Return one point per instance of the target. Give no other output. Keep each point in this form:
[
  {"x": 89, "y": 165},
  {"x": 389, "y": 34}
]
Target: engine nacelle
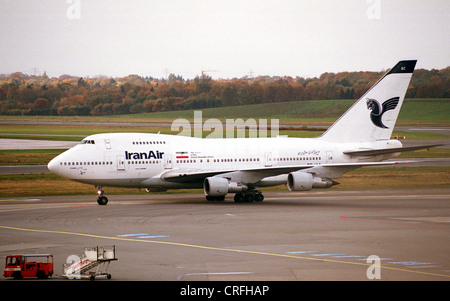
[
  {"x": 217, "y": 186},
  {"x": 300, "y": 181},
  {"x": 303, "y": 181}
]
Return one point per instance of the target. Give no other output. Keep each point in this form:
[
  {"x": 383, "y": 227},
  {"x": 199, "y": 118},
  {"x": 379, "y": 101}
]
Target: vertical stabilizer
[{"x": 373, "y": 116}]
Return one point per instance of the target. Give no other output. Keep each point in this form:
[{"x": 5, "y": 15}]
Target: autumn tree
[
  {"x": 41, "y": 104},
  {"x": 22, "y": 94}
]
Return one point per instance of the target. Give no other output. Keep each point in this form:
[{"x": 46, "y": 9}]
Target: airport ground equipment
[
  {"x": 93, "y": 263},
  {"x": 29, "y": 266}
]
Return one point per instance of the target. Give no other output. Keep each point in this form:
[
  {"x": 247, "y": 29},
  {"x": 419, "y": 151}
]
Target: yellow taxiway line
[{"x": 220, "y": 249}]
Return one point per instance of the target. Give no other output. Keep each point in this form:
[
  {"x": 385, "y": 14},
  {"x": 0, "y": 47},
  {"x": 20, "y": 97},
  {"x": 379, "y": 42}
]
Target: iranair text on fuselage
[{"x": 143, "y": 155}]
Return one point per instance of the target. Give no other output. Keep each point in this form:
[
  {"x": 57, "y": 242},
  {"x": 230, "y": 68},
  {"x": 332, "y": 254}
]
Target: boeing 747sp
[{"x": 360, "y": 137}]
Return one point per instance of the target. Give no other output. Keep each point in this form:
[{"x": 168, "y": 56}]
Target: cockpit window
[{"x": 85, "y": 141}]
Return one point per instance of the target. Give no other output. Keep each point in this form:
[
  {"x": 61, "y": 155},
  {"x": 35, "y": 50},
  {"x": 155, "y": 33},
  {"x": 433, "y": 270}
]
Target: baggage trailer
[
  {"x": 29, "y": 266},
  {"x": 83, "y": 265}
]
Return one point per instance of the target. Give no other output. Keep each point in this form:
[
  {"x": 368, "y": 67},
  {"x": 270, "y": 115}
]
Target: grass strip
[{"x": 363, "y": 178}]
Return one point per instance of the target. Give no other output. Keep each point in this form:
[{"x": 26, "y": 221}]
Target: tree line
[{"x": 22, "y": 94}]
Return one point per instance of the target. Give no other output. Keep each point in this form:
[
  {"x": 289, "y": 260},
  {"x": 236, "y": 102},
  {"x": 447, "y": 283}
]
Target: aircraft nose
[{"x": 53, "y": 165}]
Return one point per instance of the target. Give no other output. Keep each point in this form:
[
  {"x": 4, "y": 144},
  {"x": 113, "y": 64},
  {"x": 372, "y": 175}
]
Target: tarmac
[{"x": 318, "y": 235}]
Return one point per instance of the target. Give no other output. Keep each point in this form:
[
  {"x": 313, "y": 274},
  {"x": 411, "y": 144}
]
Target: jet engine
[
  {"x": 217, "y": 186},
  {"x": 303, "y": 181}
]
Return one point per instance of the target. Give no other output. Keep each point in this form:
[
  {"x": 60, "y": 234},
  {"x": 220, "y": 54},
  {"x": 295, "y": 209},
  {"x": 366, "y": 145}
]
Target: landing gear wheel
[
  {"x": 259, "y": 197},
  {"x": 238, "y": 198},
  {"x": 102, "y": 200},
  {"x": 249, "y": 197}
]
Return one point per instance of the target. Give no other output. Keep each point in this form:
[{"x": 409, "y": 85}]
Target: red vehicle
[{"x": 27, "y": 266}]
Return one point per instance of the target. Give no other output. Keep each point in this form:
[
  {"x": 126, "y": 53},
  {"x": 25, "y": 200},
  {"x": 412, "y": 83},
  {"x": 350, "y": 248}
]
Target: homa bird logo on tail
[{"x": 377, "y": 112}]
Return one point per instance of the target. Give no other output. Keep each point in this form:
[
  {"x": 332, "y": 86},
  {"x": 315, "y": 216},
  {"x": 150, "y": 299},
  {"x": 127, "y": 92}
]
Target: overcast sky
[{"x": 234, "y": 38}]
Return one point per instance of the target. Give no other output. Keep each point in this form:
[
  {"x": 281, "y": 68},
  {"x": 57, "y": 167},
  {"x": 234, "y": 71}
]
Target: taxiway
[{"x": 319, "y": 235}]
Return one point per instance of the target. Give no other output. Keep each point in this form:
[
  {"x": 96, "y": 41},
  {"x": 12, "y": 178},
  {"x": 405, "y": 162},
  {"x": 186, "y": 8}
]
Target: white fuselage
[
  {"x": 139, "y": 159},
  {"x": 360, "y": 137}
]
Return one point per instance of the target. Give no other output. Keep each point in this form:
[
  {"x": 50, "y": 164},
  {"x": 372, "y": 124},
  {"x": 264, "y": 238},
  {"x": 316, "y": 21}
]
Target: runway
[
  {"x": 318, "y": 235},
  {"x": 18, "y": 144}
]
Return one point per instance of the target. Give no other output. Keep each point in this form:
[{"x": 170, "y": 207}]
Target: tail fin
[{"x": 373, "y": 116}]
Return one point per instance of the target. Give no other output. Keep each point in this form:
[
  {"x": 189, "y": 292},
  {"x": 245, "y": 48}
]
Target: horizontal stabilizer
[{"x": 374, "y": 152}]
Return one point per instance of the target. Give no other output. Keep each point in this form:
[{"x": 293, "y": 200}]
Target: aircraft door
[
  {"x": 120, "y": 162},
  {"x": 267, "y": 159},
  {"x": 329, "y": 157},
  {"x": 167, "y": 161},
  {"x": 107, "y": 144}
]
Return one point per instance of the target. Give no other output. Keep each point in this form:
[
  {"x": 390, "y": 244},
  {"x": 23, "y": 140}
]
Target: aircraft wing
[
  {"x": 198, "y": 175},
  {"x": 362, "y": 164},
  {"x": 190, "y": 175},
  {"x": 253, "y": 175},
  {"x": 374, "y": 152}
]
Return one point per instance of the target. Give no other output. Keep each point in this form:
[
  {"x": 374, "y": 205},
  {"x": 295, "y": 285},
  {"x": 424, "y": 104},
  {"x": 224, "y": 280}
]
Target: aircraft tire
[
  {"x": 102, "y": 200},
  {"x": 238, "y": 198},
  {"x": 259, "y": 197},
  {"x": 249, "y": 198}
]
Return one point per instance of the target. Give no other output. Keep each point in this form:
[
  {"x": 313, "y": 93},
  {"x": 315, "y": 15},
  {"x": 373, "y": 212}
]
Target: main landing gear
[
  {"x": 245, "y": 197},
  {"x": 101, "y": 200},
  {"x": 249, "y": 197}
]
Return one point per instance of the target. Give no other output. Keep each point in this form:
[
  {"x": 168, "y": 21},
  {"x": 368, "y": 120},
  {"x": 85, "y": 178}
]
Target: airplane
[{"x": 157, "y": 162}]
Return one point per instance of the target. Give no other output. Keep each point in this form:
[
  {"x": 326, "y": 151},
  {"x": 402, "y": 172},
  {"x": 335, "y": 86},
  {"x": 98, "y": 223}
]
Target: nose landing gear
[{"x": 101, "y": 200}]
